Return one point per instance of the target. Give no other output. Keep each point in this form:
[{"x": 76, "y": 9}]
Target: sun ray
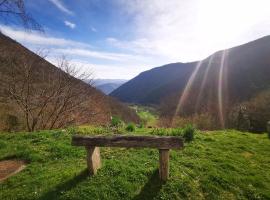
[
  {"x": 221, "y": 89},
  {"x": 186, "y": 91},
  {"x": 204, "y": 82}
]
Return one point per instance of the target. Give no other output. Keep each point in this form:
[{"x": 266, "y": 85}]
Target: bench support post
[
  {"x": 93, "y": 159},
  {"x": 164, "y": 164}
]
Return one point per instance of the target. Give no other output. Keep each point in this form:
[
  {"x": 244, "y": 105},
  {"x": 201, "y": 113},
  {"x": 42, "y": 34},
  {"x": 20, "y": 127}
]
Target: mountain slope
[
  {"x": 247, "y": 68},
  {"x": 97, "y": 109},
  {"x": 214, "y": 84},
  {"x": 150, "y": 85}
]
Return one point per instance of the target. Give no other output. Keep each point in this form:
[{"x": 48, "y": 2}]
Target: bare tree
[
  {"x": 48, "y": 97},
  {"x": 13, "y": 11}
]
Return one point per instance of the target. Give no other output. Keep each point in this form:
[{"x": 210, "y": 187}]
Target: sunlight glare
[
  {"x": 221, "y": 86},
  {"x": 204, "y": 82},
  {"x": 186, "y": 91}
]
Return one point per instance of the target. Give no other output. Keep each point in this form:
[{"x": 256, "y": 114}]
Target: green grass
[
  {"x": 216, "y": 165},
  {"x": 147, "y": 115}
]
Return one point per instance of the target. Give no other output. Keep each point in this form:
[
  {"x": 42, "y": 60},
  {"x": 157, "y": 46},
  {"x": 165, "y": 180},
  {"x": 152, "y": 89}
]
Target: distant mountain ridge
[{"x": 108, "y": 85}]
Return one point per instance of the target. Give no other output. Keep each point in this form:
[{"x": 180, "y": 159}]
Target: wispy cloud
[
  {"x": 36, "y": 38},
  {"x": 103, "y": 64},
  {"x": 99, "y": 54},
  {"x": 70, "y": 24},
  {"x": 61, "y": 6},
  {"x": 141, "y": 45},
  {"x": 108, "y": 71},
  {"x": 191, "y": 30}
]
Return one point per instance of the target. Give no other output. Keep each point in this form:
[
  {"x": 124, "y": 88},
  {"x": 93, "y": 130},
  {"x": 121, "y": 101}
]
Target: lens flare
[
  {"x": 204, "y": 82},
  {"x": 221, "y": 85},
  {"x": 186, "y": 91}
]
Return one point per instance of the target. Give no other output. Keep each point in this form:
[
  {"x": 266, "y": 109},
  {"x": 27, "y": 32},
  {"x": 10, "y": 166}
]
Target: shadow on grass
[
  {"x": 56, "y": 192},
  {"x": 151, "y": 189}
]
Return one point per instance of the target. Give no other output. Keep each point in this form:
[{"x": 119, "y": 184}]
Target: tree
[
  {"x": 13, "y": 11},
  {"x": 252, "y": 115},
  {"x": 258, "y": 111},
  {"x": 47, "y": 96}
]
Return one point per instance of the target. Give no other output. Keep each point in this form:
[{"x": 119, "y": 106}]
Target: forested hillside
[{"x": 35, "y": 94}]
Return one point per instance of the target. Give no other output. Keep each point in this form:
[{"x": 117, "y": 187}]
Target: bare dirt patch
[{"x": 10, "y": 167}]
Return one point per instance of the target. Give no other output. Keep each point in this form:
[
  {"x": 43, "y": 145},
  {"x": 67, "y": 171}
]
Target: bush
[
  {"x": 257, "y": 111},
  {"x": 188, "y": 133},
  {"x": 177, "y": 132},
  {"x": 116, "y": 122},
  {"x": 72, "y": 130},
  {"x": 9, "y": 122},
  {"x": 160, "y": 131},
  {"x": 141, "y": 125},
  {"x": 130, "y": 127}
]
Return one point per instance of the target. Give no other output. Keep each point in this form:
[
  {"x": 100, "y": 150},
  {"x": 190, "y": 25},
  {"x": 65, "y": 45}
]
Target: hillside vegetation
[
  {"x": 216, "y": 165},
  {"x": 34, "y": 94}
]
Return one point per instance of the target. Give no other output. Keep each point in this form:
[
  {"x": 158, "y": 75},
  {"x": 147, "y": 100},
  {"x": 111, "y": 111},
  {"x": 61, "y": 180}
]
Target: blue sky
[{"x": 121, "y": 38}]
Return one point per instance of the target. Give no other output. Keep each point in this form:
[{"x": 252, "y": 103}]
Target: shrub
[
  {"x": 188, "y": 133},
  {"x": 72, "y": 130},
  {"x": 177, "y": 132},
  {"x": 116, "y": 122},
  {"x": 9, "y": 122},
  {"x": 160, "y": 131},
  {"x": 257, "y": 111},
  {"x": 130, "y": 127},
  {"x": 141, "y": 125}
]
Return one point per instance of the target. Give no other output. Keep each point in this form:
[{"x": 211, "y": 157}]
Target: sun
[{"x": 223, "y": 21}]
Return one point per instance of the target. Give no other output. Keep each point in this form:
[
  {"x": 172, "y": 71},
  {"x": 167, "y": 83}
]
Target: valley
[{"x": 134, "y": 100}]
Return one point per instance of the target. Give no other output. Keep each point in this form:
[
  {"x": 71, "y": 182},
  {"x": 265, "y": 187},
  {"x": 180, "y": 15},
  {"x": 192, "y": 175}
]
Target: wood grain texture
[
  {"x": 160, "y": 142},
  {"x": 164, "y": 164},
  {"x": 93, "y": 159}
]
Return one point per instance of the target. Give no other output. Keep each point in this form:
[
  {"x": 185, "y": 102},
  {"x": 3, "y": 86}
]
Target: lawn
[{"x": 216, "y": 165}]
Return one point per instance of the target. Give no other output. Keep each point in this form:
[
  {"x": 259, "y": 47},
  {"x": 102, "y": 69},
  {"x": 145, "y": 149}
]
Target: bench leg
[
  {"x": 164, "y": 164},
  {"x": 93, "y": 159}
]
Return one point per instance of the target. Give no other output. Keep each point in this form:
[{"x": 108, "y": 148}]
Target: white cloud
[
  {"x": 36, "y": 38},
  {"x": 61, "y": 6},
  {"x": 103, "y": 64},
  {"x": 99, "y": 54},
  {"x": 115, "y": 71},
  {"x": 70, "y": 24},
  {"x": 190, "y": 30},
  {"x": 141, "y": 45}
]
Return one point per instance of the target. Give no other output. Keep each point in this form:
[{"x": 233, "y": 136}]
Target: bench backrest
[{"x": 159, "y": 142}]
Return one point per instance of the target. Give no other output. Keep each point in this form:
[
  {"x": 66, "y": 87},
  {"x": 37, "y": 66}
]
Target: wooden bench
[{"x": 92, "y": 144}]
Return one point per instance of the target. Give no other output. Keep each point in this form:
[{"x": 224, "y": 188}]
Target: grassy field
[
  {"x": 216, "y": 165},
  {"x": 147, "y": 114}
]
